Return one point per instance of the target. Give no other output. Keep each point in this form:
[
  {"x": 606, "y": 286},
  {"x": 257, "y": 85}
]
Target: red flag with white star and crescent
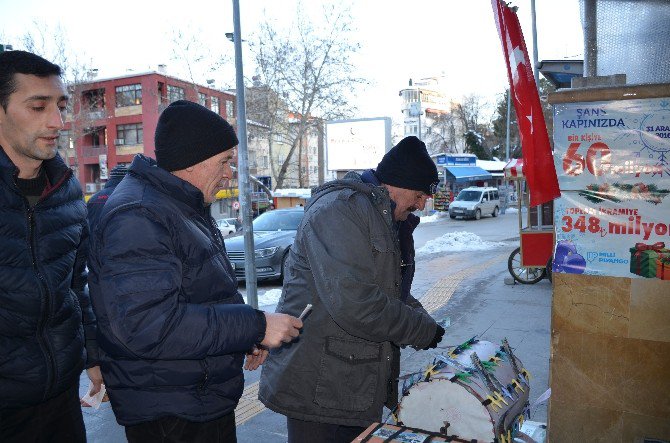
[{"x": 537, "y": 156}]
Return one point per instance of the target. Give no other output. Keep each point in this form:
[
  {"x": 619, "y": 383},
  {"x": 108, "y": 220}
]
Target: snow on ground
[
  {"x": 267, "y": 298},
  {"x": 457, "y": 241},
  {"x": 433, "y": 217}
]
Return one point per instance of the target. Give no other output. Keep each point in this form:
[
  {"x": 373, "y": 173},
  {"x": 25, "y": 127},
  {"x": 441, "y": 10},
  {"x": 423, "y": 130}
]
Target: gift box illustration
[
  {"x": 643, "y": 258},
  {"x": 663, "y": 267}
]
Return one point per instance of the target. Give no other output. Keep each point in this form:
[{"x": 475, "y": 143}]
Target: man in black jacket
[
  {"x": 45, "y": 313},
  {"x": 173, "y": 328},
  {"x": 95, "y": 204}
]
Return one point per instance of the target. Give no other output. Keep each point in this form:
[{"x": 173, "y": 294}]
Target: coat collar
[
  {"x": 55, "y": 169},
  {"x": 174, "y": 187}
]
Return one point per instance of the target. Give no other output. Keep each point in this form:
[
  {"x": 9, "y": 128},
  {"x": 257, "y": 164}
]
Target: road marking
[
  {"x": 442, "y": 290},
  {"x": 436, "y": 297},
  {"x": 249, "y": 405}
]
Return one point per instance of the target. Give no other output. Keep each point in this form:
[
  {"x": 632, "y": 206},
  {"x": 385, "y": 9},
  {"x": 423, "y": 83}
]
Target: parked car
[
  {"x": 225, "y": 227},
  {"x": 474, "y": 202},
  {"x": 235, "y": 222},
  {"x": 274, "y": 232}
]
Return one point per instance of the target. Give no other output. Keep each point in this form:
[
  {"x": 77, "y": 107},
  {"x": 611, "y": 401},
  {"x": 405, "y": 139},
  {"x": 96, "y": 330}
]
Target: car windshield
[
  {"x": 278, "y": 221},
  {"x": 469, "y": 196},
  {"x": 222, "y": 223}
]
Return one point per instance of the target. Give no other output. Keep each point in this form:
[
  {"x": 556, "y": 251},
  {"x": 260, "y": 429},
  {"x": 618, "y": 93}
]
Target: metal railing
[{"x": 94, "y": 151}]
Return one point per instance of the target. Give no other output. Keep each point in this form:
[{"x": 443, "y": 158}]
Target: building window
[
  {"x": 129, "y": 95},
  {"x": 215, "y": 104},
  {"x": 230, "y": 109},
  {"x": 175, "y": 93},
  {"x": 129, "y": 134},
  {"x": 202, "y": 99},
  {"x": 65, "y": 139}
]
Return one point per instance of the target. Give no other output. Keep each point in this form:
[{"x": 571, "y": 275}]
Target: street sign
[{"x": 236, "y": 205}]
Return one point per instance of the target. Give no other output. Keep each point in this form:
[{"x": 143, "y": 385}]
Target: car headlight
[{"x": 265, "y": 252}]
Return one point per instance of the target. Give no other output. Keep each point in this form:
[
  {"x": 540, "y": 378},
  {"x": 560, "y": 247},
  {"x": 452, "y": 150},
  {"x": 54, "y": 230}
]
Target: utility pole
[{"x": 243, "y": 166}]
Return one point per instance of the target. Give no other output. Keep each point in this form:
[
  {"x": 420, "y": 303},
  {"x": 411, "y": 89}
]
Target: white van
[{"x": 475, "y": 202}]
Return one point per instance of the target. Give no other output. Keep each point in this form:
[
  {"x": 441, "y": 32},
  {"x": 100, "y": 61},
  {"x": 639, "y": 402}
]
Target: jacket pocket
[
  {"x": 348, "y": 374},
  {"x": 382, "y": 243}
]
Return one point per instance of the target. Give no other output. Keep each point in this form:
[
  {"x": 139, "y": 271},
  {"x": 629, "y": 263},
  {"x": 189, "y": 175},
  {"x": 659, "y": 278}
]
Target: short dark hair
[{"x": 21, "y": 62}]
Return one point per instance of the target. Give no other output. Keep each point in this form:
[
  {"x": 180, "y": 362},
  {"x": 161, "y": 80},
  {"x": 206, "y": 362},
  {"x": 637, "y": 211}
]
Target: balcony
[
  {"x": 95, "y": 114},
  {"x": 93, "y": 151}
]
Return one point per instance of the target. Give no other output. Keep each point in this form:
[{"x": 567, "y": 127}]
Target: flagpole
[
  {"x": 535, "y": 61},
  {"x": 509, "y": 105}
]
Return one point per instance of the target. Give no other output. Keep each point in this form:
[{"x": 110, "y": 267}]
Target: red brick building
[{"x": 113, "y": 119}]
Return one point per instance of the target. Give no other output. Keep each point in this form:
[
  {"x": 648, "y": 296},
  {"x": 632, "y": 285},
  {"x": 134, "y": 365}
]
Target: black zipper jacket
[{"x": 45, "y": 312}]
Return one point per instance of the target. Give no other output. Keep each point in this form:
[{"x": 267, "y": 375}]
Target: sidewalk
[{"x": 469, "y": 289}]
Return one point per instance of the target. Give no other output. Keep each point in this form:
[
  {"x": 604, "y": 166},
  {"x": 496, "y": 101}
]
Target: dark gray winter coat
[{"x": 345, "y": 261}]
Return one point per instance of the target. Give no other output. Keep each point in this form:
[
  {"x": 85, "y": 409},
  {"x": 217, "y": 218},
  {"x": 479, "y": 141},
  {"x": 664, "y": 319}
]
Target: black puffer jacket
[
  {"x": 43, "y": 292},
  {"x": 172, "y": 327}
]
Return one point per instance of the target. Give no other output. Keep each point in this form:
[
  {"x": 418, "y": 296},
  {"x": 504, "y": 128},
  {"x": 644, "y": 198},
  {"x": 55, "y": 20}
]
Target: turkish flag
[{"x": 537, "y": 157}]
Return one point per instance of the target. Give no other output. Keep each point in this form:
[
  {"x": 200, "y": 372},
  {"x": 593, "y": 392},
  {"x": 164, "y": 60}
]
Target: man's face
[
  {"x": 30, "y": 126},
  {"x": 211, "y": 175},
  {"x": 406, "y": 201}
]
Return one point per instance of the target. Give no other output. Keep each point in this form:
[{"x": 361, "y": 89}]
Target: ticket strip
[{"x": 479, "y": 377}]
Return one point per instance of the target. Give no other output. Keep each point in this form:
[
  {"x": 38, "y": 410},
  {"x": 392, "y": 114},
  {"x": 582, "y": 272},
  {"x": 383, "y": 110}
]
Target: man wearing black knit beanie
[
  {"x": 353, "y": 260},
  {"x": 172, "y": 326}
]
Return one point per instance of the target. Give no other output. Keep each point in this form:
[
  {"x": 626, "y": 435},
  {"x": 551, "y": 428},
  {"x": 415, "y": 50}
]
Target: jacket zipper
[
  {"x": 45, "y": 306},
  {"x": 47, "y": 300}
]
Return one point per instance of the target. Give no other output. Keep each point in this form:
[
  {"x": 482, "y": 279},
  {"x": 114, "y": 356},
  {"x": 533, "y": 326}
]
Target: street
[{"x": 465, "y": 288}]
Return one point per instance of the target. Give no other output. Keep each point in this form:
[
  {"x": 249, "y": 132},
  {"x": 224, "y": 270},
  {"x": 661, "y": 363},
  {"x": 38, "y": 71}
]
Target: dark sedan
[{"x": 274, "y": 232}]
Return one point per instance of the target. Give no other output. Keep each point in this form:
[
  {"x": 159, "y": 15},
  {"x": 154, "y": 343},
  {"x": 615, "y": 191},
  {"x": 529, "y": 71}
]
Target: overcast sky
[{"x": 456, "y": 39}]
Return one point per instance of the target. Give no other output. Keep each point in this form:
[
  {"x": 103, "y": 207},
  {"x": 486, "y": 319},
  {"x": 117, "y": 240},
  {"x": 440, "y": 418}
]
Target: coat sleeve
[
  {"x": 80, "y": 289},
  {"x": 138, "y": 277},
  {"x": 340, "y": 254}
]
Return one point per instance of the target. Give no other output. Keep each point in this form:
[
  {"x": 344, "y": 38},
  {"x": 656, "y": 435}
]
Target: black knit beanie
[
  {"x": 407, "y": 165},
  {"x": 188, "y": 133},
  {"x": 119, "y": 171}
]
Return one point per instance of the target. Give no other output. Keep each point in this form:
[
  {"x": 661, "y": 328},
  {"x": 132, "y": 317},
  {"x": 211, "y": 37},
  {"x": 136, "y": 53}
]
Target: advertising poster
[{"x": 613, "y": 164}]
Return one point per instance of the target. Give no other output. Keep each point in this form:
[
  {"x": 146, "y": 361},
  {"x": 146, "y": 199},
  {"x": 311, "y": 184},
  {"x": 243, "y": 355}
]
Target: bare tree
[
  {"x": 444, "y": 134},
  {"x": 194, "y": 60},
  {"x": 307, "y": 75}
]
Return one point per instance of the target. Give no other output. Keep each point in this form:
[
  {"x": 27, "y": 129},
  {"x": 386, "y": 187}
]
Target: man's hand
[
  {"x": 255, "y": 358},
  {"x": 439, "y": 332},
  {"x": 95, "y": 376},
  {"x": 280, "y": 328}
]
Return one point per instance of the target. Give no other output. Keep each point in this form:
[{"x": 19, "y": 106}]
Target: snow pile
[
  {"x": 267, "y": 298},
  {"x": 457, "y": 241},
  {"x": 432, "y": 218}
]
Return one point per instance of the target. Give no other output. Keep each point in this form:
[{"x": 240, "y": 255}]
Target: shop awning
[
  {"x": 514, "y": 169},
  {"x": 461, "y": 174}
]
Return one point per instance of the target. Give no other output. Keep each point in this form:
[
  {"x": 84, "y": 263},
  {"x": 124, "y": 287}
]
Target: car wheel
[
  {"x": 453, "y": 217},
  {"x": 478, "y": 214},
  {"x": 495, "y": 212}
]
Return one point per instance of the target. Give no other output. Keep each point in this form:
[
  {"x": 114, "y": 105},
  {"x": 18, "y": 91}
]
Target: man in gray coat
[{"x": 353, "y": 261}]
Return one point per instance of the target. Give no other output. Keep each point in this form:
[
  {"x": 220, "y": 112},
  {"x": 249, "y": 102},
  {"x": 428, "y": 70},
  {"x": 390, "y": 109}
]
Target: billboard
[
  {"x": 613, "y": 165},
  {"x": 357, "y": 144}
]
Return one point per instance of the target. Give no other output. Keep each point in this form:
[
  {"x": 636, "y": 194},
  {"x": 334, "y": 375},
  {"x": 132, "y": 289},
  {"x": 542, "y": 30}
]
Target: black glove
[{"x": 439, "y": 332}]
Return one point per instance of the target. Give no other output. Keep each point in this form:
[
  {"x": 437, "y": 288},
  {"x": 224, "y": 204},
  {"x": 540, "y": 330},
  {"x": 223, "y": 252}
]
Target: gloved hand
[{"x": 439, "y": 332}]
